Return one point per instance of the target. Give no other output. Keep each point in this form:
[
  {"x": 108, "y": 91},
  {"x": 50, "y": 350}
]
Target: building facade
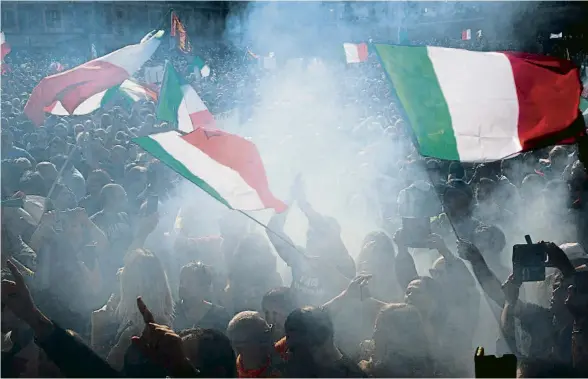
[{"x": 108, "y": 24}]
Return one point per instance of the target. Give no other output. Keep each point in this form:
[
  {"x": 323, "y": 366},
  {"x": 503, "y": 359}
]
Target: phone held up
[
  {"x": 529, "y": 261},
  {"x": 491, "y": 366}
]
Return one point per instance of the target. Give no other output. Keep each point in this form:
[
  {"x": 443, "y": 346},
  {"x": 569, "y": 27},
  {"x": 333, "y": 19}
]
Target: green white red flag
[
  {"x": 483, "y": 106},
  {"x": 73, "y": 87}
]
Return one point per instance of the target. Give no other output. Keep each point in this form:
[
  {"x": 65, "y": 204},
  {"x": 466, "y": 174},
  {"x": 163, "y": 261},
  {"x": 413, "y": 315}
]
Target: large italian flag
[
  {"x": 73, "y": 87},
  {"x": 228, "y": 167},
  {"x": 483, "y": 106},
  {"x": 180, "y": 105},
  {"x": 128, "y": 90}
]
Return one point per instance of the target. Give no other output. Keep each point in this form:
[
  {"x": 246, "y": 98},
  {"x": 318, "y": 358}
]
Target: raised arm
[
  {"x": 488, "y": 281},
  {"x": 405, "y": 268}
]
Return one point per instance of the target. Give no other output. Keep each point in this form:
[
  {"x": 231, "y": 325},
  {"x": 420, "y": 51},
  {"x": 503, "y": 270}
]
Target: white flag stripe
[
  {"x": 227, "y": 182},
  {"x": 490, "y": 76}
]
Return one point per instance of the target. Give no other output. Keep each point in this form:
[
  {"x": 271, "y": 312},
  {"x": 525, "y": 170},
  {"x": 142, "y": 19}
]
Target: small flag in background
[
  {"x": 178, "y": 31},
  {"x": 180, "y": 105},
  {"x": 5, "y": 50},
  {"x": 252, "y": 55},
  {"x": 466, "y": 35},
  {"x": 226, "y": 166},
  {"x": 198, "y": 64},
  {"x": 556, "y": 36},
  {"x": 502, "y": 104},
  {"x": 93, "y": 51},
  {"x": 355, "y": 53},
  {"x": 5, "y": 46},
  {"x": 77, "y": 85}
]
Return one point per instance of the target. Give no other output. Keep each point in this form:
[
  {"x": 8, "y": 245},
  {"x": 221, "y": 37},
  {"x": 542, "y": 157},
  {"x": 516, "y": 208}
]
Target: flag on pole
[
  {"x": 198, "y": 64},
  {"x": 556, "y": 35},
  {"x": 4, "y": 47},
  {"x": 77, "y": 85},
  {"x": 179, "y": 32},
  {"x": 466, "y": 35},
  {"x": 355, "y": 53},
  {"x": 93, "y": 51},
  {"x": 180, "y": 105},
  {"x": 129, "y": 90},
  {"x": 497, "y": 105},
  {"x": 226, "y": 166}
]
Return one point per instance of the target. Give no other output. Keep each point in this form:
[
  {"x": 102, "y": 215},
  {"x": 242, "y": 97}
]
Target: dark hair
[
  {"x": 199, "y": 270},
  {"x": 280, "y": 295},
  {"x": 456, "y": 170},
  {"x": 32, "y": 183},
  {"x": 214, "y": 352},
  {"x": 313, "y": 323}
]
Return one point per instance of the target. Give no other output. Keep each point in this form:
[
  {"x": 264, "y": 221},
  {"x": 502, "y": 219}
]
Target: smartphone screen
[
  {"x": 418, "y": 230},
  {"x": 528, "y": 262}
]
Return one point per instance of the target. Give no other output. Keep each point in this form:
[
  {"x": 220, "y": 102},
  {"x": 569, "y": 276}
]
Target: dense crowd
[{"x": 103, "y": 277}]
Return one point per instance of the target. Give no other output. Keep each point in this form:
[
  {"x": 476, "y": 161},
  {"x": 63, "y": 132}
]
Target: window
[
  {"x": 53, "y": 19},
  {"x": 8, "y": 18}
]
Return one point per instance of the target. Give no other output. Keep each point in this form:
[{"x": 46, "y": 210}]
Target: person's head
[
  {"x": 135, "y": 180},
  {"x": 250, "y": 335},
  {"x": 73, "y": 228},
  {"x": 490, "y": 240},
  {"x": 380, "y": 242},
  {"x": 398, "y": 332},
  {"x": 65, "y": 199},
  {"x": 423, "y": 293},
  {"x": 60, "y": 130},
  {"x": 105, "y": 121},
  {"x": 143, "y": 275},
  {"x": 457, "y": 199},
  {"x": 531, "y": 187},
  {"x": 118, "y": 154},
  {"x": 485, "y": 189},
  {"x": 78, "y": 128},
  {"x": 558, "y": 158},
  {"x": 48, "y": 171},
  {"x": 57, "y": 146},
  {"x": 308, "y": 331},
  {"x": 96, "y": 180},
  {"x": 7, "y": 138},
  {"x": 456, "y": 171},
  {"x": 60, "y": 160},
  {"x": 113, "y": 198},
  {"x": 32, "y": 183},
  {"x": 210, "y": 352},
  {"x": 195, "y": 283},
  {"x": 277, "y": 304}
]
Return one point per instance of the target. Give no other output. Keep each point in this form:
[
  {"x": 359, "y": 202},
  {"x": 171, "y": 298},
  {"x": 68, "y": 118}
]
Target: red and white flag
[
  {"x": 466, "y": 35},
  {"x": 5, "y": 45},
  {"x": 71, "y": 88},
  {"x": 355, "y": 53}
]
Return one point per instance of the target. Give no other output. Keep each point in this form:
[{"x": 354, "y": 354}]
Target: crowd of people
[{"x": 101, "y": 279}]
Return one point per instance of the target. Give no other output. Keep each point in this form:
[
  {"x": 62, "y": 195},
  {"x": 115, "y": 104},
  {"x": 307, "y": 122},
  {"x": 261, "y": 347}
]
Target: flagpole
[{"x": 285, "y": 240}]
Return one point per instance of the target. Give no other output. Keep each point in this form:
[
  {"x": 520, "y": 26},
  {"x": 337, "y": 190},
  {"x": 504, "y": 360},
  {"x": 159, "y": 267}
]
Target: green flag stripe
[
  {"x": 110, "y": 94},
  {"x": 155, "y": 149},
  {"x": 413, "y": 76},
  {"x": 583, "y": 104},
  {"x": 170, "y": 96}
]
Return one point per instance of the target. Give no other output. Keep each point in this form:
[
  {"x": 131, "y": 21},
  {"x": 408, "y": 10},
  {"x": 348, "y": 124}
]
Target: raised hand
[
  {"x": 357, "y": 288},
  {"x": 159, "y": 342},
  {"x": 467, "y": 250}
]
